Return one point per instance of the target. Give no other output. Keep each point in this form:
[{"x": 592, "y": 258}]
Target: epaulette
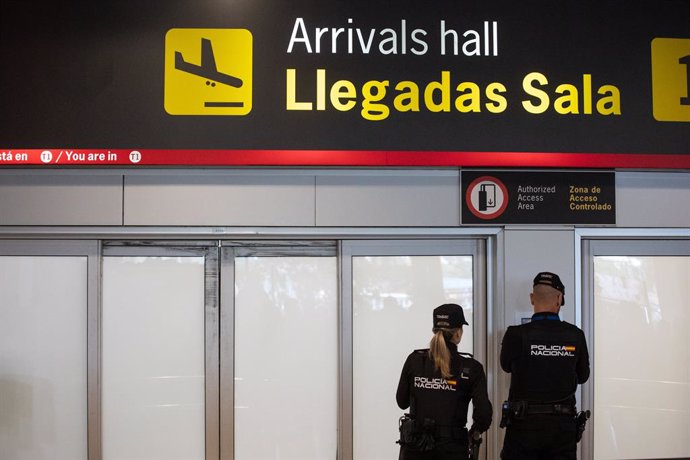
[
  {"x": 466, "y": 355},
  {"x": 422, "y": 350}
]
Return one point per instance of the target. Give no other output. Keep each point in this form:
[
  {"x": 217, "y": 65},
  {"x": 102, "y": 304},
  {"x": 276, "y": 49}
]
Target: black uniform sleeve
[
  {"x": 402, "y": 396},
  {"x": 582, "y": 366},
  {"x": 510, "y": 348},
  {"x": 482, "y": 412}
]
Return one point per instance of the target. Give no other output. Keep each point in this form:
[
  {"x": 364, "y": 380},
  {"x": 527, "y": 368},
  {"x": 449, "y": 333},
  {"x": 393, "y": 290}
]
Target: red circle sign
[{"x": 486, "y": 197}]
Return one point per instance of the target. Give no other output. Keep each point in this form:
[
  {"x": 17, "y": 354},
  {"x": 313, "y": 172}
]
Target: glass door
[
  {"x": 159, "y": 347},
  {"x": 280, "y": 351},
  {"x": 48, "y": 377},
  {"x": 390, "y": 289},
  {"x": 202, "y": 350},
  {"x": 636, "y": 313}
]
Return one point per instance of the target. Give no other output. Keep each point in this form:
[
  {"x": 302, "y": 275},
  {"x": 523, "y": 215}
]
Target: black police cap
[
  {"x": 551, "y": 279},
  {"x": 449, "y": 316}
]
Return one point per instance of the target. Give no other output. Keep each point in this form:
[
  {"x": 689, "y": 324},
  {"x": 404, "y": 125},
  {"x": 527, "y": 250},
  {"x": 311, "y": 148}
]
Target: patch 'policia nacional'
[
  {"x": 435, "y": 383},
  {"x": 208, "y": 72},
  {"x": 671, "y": 79},
  {"x": 552, "y": 350}
]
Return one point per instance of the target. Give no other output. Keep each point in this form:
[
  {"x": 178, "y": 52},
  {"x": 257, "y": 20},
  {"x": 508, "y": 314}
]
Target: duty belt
[
  {"x": 518, "y": 410},
  {"x": 555, "y": 409},
  {"x": 450, "y": 431}
]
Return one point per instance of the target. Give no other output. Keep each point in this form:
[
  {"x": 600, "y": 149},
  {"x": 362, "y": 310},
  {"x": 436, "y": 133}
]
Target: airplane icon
[
  {"x": 207, "y": 69},
  {"x": 222, "y": 58}
]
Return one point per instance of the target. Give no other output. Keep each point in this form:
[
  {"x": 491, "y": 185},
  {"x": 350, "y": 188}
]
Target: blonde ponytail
[{"x": 438, "y": 351}]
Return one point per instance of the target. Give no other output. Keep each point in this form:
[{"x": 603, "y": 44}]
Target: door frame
[
  {"x": 209, "y": 251},
  {"x": 588, "y": 244},
  {"x": 474, "y": 247},
  {"x": 230, "y": 249}
]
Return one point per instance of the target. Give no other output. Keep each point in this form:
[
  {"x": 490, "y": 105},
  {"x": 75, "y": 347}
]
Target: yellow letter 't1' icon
[{"x": 671, "y": 79}]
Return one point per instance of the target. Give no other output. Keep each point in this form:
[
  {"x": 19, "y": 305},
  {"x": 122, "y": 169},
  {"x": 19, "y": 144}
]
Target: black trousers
[
  {"x": 443, "y": 451},
  {"x": 541, "y": 437}
]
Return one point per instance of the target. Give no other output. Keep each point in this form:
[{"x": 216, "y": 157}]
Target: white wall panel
[
  {"x": 528, "y": 252},
  {"x": 405, "y": 198},
  {"x": 57, "y": 199},
  {"x": 219, "y": 199},
  {"x": 290, "y": 198},
  {"x": 652, "y": 199}
]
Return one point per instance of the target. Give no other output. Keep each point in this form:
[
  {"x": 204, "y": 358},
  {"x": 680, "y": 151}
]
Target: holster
[
  {"x": 407, "y": 429},
  {"x": 415, "y": 434},
  {"x": 474, "y": 443},
  {"x": 581, "y": 422},
  {"x": 511, "y": 411}
]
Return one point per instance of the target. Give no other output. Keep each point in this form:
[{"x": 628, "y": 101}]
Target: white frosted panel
[
  {"x": 43, "y": 391},
  {"x": 393, "y": 299},
  {"x": 642, "y": 351},
  {"x": 286, "y": 358},
  {"x": 153, "y": 358}
]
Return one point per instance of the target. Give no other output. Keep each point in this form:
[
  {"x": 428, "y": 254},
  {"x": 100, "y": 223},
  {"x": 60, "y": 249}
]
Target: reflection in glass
[
  {"x": 153, "y": 358},
  {"x": 286, "y": 358},
  {"x": 393, "y": 299},
  {"x": 641, "y": 352},
  {"x": 43, "y": 307}
]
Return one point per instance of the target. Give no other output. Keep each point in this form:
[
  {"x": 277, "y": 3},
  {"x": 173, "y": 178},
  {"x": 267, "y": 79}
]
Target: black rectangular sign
[
  {"x": 537, "y": 76},
  {"x": 493, "y": 197}
]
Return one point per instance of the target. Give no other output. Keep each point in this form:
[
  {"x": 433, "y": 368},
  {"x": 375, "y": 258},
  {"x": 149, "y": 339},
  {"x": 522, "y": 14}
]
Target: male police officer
[{"x": 547, "y": 358}]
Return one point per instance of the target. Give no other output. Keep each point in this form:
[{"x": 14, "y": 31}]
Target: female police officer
[{"x": 437, "y": 384}]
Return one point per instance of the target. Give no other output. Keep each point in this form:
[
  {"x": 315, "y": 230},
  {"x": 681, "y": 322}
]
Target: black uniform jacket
[
  {"x": 547, "y": 358},
  {"x": 445, "y": 401}
]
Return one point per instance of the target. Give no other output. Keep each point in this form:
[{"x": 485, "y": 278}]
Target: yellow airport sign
[{"x": 208, "y": 72}]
